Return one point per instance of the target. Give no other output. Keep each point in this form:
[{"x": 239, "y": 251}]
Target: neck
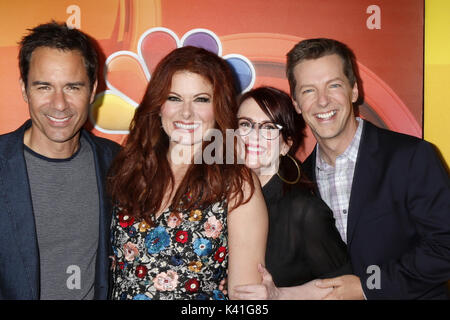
[
  {"x": 331, "y": 148},
  {"x": 266, "y": 173},
  {"x": 50, "y": 149},
  {"x": 180, "y": 155},
  {"x": 263, "y": 179},
  {"x": 178, "y": 172}
]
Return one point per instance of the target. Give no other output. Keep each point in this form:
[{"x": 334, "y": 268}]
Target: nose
[
  {"x": 254, "y": 134},
  {"x": 323, "y": 98},
  {"x": 186, "y": 110},
  {"x": 59, "y": 100}
]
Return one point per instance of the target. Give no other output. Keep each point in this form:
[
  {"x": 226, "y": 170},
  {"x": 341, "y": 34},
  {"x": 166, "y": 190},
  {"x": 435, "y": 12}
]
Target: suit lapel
[
  {"x": 19, "y": 209},
  {"x": 102, "y": 160},
  {"x": 366, "y": 167}
]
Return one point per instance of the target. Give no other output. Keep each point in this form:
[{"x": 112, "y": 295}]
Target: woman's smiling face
[
  {"x": 188, "y": 112},
  {"x": 260, "y": 153}
]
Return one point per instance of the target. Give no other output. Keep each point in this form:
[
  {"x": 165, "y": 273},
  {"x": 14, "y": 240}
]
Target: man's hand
[
  {"x": 267, "y": 290},
  {"x": 346, "y": 287},
  {"x": 264, "y": 291}
]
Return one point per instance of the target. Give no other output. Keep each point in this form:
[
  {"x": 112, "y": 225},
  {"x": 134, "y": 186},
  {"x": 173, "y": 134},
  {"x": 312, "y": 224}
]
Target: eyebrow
[
  {"x": 335, "y": 79},
  {"x": 331, "y": 80},
  {"x": 78, "y": 83},
  {"x": 251, "y": 120},
  {"x": 45, "y": 83},
  {"x": 40, "y": 83},
  {"x": 196, "y": 95}
]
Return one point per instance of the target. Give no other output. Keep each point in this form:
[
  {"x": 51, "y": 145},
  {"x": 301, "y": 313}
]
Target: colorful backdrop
[{"x": 253, "y": 36}]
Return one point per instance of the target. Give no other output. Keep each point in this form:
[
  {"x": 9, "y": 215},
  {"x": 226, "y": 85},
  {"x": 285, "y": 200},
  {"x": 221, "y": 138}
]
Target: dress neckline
[{"x": 273, "y": 189}]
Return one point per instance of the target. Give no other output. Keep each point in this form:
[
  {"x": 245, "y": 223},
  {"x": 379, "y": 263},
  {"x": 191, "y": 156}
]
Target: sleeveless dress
[{"x": 184, "y": 257}]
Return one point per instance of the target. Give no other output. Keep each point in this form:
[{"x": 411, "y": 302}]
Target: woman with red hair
[{"x": 181, "y": 223}]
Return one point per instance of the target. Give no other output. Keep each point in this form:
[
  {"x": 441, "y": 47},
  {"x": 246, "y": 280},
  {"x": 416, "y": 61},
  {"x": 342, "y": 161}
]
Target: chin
[
  {"x": 326, "y": 134},
  {"x": 253, "y": 164},
  {"x": 59, "y": 138},
  {"x": 189, "y": 142}
]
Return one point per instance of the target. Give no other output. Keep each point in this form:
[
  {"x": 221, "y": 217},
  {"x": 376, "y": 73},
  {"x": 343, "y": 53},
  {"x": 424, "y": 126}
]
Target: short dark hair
[
  {"x": 58, "y": 36},
  {"x": 278, "y": 107},
  {"x": 317, "y": 48}
]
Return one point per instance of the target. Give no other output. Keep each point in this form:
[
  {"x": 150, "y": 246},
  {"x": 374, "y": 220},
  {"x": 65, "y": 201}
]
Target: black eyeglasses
[{"x": 267, "y": 129}]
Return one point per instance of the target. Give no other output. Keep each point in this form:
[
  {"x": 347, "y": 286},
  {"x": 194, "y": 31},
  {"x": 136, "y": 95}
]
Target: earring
[{"x": 298, "y": 170}]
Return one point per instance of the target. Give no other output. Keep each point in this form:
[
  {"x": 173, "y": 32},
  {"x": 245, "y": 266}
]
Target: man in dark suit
[
  {"x": 54, "y": 210},
  {"x": 389, "y": 192}
]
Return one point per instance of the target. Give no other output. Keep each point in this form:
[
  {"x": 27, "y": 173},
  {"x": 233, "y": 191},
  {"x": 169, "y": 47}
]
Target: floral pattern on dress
[{"x": 184, "y": 257}]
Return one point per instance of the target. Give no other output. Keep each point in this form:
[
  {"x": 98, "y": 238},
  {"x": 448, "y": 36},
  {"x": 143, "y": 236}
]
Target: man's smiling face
[
  {"x": 58, "y": 94},
  {"x": 325, "y": 97}
]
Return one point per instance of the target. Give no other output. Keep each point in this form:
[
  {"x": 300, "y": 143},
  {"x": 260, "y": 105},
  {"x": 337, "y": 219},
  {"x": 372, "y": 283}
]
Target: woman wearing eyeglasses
[{"x": 303, "y": 243}]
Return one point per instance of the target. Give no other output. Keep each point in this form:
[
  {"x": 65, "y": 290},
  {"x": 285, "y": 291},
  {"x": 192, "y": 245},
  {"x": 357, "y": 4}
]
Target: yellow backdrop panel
[{"x": 437, "y": 71}]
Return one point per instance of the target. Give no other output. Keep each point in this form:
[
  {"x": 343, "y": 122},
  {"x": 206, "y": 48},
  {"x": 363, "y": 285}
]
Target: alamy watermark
[
  {"x": 187, "y": 149},
  {"x": 374, "y": 280},
  {"x": 74, "y": 280}
]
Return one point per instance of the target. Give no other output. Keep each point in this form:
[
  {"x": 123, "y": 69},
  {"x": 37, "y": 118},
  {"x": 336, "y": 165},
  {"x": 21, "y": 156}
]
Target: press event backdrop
[{"x": 253, "y": 36}]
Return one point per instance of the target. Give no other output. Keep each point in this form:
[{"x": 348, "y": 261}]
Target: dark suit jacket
[
  {"x": 399, "y": 216},
  {"x": 19, "y": 252}
]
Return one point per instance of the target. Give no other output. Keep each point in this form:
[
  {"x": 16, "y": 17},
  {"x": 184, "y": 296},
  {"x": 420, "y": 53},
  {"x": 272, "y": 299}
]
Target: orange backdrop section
[
  {"x": 390, "y": 57},
  {"x": 394, "y": 53}
]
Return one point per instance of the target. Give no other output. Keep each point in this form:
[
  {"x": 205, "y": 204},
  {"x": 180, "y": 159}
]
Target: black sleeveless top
[{"x": 303, "y": 243}]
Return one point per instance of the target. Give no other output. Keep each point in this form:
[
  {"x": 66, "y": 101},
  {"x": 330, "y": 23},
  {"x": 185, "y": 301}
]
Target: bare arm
[
  {"x": 268, "y": 291},
  {"x": 247, "y": 234}
]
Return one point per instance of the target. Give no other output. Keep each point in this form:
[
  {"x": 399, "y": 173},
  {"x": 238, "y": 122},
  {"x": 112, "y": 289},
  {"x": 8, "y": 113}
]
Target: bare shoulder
[{"x": 252, "y": 193}]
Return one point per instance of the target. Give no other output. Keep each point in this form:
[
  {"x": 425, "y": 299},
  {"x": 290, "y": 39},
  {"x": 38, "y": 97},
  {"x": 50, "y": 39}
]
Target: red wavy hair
[{"x": 141, "y": 175}]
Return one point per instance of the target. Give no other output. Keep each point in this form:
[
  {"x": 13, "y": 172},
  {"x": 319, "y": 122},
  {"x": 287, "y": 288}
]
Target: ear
[
  {"x": 355, "y": 92},
  {"x": 93, "y": 92},
  {"x": 24, "y": 90},
  {"x": 297, "y": 107}
]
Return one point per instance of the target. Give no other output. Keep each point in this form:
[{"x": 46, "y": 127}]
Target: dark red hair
[{"x": 141, "y": 175}]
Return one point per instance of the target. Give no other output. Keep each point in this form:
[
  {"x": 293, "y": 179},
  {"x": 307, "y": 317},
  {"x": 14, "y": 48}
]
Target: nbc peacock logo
[{"x": 127, "y": 74}]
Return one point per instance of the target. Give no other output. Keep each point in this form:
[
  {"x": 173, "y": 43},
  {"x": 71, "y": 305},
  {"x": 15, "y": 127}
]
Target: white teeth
[
  {"x": 186, "y": 126},
  {"x": 254, "y": 149},
  {"x": 326, "y": 115},
  {"x": 58, "y": 120}
]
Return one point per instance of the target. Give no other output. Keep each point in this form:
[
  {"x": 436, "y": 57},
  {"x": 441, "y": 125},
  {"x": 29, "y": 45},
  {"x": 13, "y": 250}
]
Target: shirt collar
[{"x": 350, "y": 153}]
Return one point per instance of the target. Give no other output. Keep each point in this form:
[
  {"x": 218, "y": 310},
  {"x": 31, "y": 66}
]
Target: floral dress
[{"x": 183, "y": 257}]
